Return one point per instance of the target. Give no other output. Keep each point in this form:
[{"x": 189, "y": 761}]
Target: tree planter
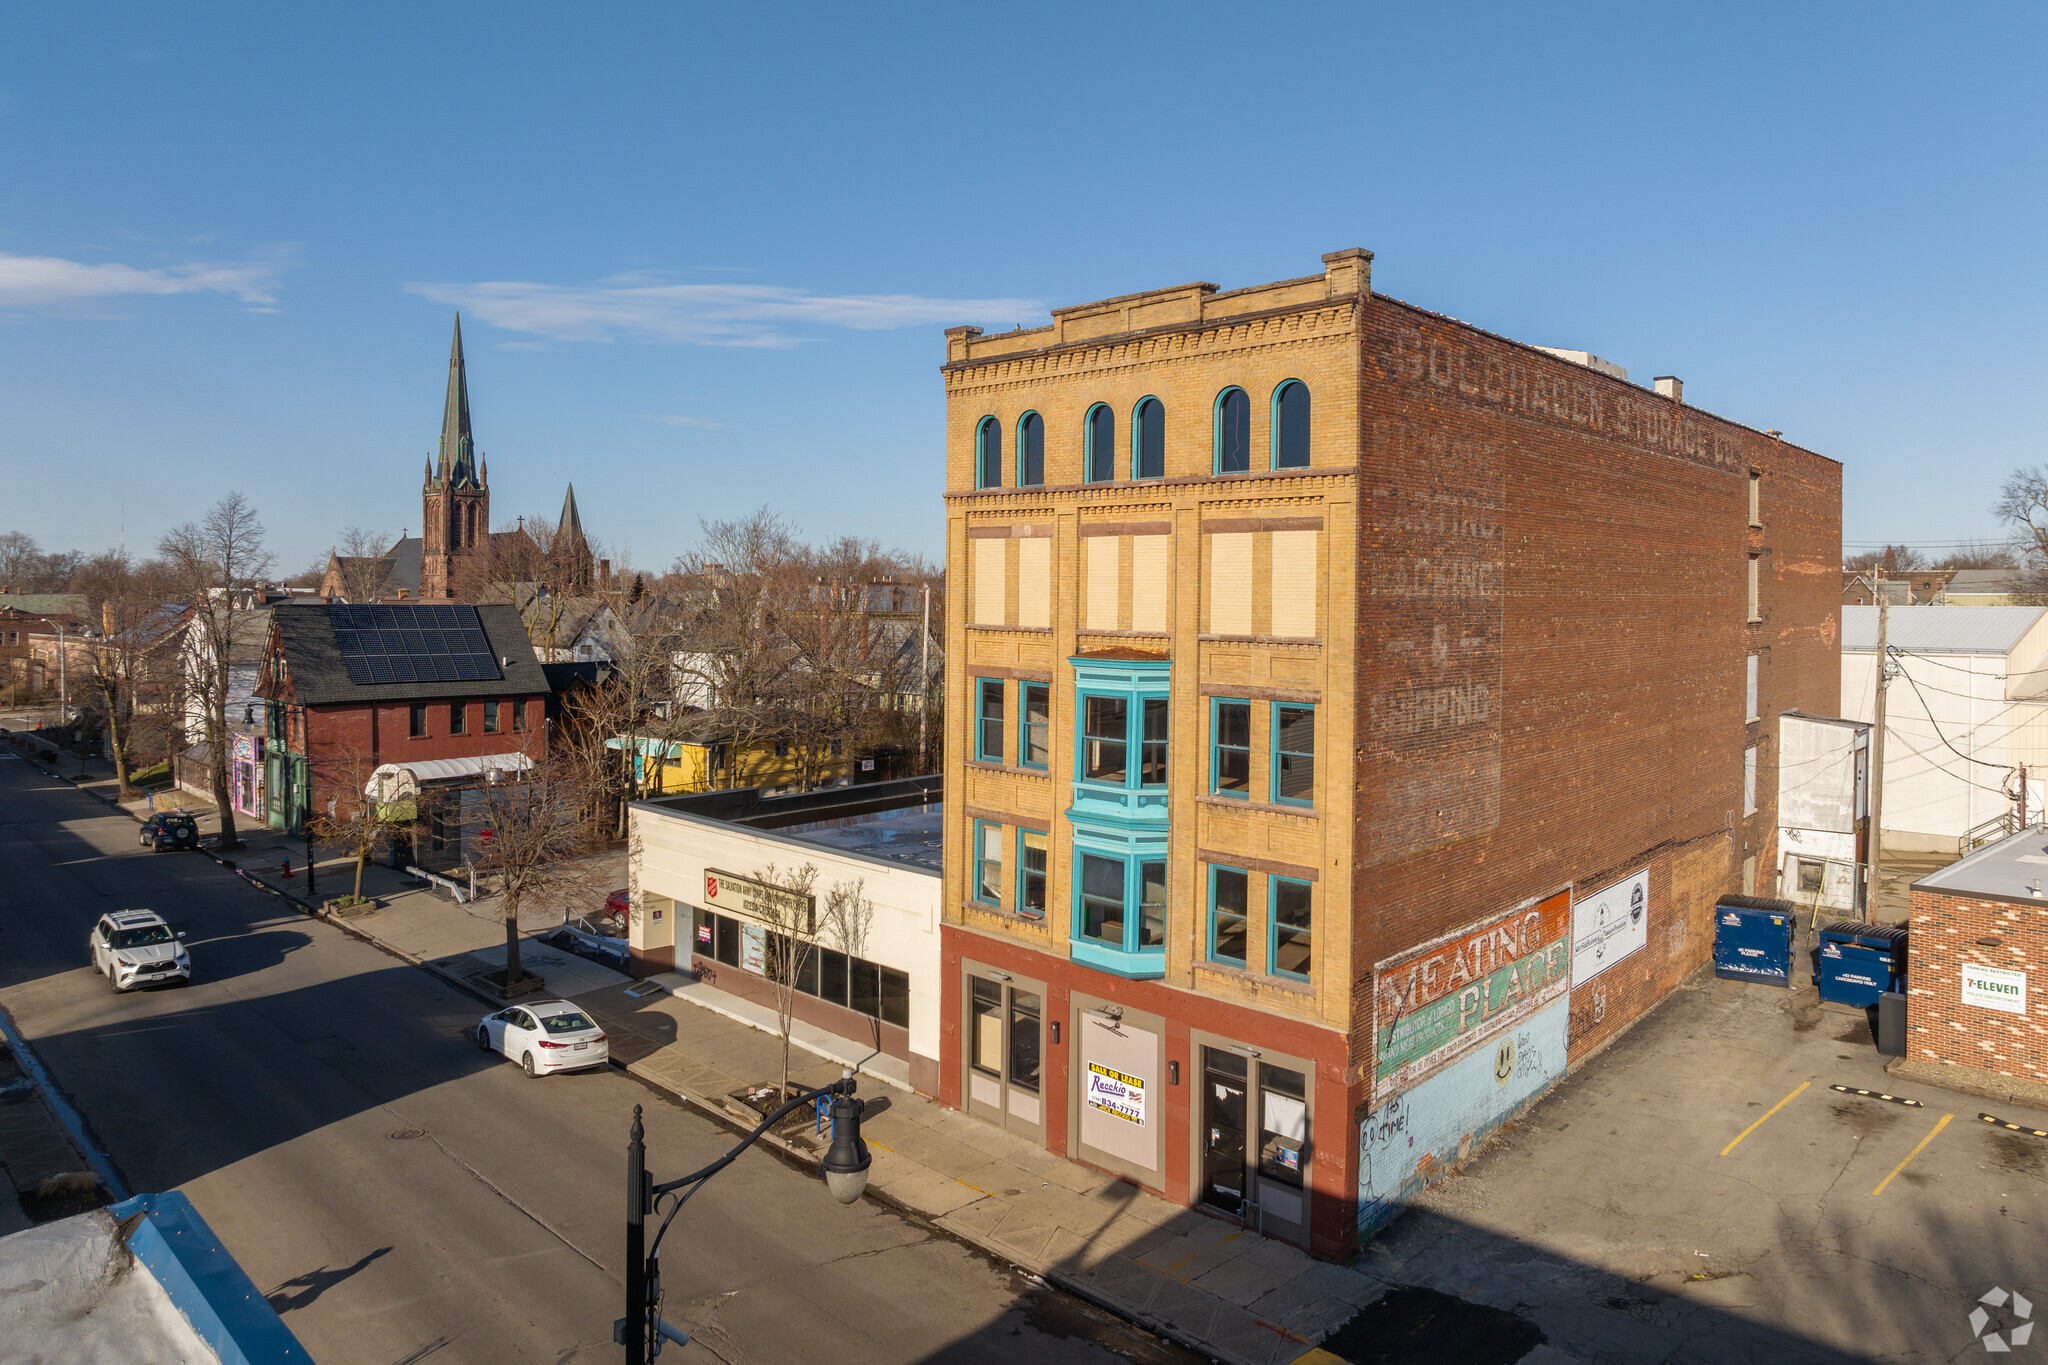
[{"x": 529, "y": 983}]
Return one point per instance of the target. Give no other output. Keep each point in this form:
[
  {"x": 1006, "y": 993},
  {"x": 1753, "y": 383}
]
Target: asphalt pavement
[{"x": 401, "y": 1196}]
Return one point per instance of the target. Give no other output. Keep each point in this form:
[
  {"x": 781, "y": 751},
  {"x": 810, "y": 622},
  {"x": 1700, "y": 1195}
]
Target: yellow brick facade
[{"x": 1245, "y": 582}]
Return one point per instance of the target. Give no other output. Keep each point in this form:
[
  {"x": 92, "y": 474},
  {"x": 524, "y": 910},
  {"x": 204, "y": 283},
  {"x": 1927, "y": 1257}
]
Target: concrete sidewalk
[{"x": 1201, "y": 1281}]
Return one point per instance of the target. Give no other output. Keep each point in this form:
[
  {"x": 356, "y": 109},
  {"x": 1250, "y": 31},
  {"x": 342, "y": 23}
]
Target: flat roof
[
  {"x": 911, "y": 836},
  {"x": 1939, "y": 630},
  {"x": 2006, "y": 870}
]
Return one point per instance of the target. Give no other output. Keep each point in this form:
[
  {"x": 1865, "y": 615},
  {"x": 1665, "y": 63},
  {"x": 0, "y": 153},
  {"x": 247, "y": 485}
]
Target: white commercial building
[
  {"x": 707, "y": 876},
  {"x": 1966, "y": 710}
]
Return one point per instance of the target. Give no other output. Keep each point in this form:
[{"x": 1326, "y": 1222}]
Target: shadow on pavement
[{"x": 301, "y": 1290}]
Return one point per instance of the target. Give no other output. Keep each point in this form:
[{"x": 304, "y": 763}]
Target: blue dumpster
[
  {"x": 1753, "y": 939},
  {"x": 1856, "y": 963}
]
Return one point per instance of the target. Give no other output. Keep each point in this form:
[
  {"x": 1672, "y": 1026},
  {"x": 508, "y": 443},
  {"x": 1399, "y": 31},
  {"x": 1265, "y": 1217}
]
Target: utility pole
[
  {"x": 1875, "y": 842},
  {"x": 634, "y": 1328},
  {"x": 63, "y": 678},
  {"x": 924, "y": 671}
]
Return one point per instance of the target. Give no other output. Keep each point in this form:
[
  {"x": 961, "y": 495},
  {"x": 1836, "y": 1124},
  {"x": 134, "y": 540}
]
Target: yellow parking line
[
  {"x": 1760, "y": 1122},
  {"x": 1910, "y": 1155}
]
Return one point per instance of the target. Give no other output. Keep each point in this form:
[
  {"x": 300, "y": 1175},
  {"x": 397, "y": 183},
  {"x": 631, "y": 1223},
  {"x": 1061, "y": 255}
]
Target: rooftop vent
[
  {"x": 1670, "y": 386},
  {"x": 1588, "y": 359}
]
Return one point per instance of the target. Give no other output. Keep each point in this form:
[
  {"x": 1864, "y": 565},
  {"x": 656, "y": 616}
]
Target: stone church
[{"x": 455, "y": 526}]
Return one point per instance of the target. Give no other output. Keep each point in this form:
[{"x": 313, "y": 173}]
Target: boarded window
[
  {"x": 1230, "y": 583},
  {"x": 1749, "y": 710},
  {"x": 1034, "y": 581},
  {"x": 1294, "y": 584},
  {"x": 989, "y": 570},
  {"x": 1749, "y": 780},
  {"x": 1100, "y": 554},
  {"x": 1151, "y": 581}
]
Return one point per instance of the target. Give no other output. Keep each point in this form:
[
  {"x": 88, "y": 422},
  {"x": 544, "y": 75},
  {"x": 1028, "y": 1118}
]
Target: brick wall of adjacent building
[
  {"x": 1948, "y": 931},
  {"x": 1553, "y": 607},
  {"x": 347, "y": 738}
]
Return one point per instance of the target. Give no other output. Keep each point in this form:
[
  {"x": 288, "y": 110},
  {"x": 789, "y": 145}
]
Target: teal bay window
[{"x": 1119, "y": 815}]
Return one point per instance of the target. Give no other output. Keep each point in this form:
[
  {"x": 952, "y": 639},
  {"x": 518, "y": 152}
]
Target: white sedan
[{"x": 550, "y": 1035}]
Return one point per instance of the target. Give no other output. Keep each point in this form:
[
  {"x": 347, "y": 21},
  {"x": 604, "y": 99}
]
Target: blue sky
[{"x": 705, "y": 254}]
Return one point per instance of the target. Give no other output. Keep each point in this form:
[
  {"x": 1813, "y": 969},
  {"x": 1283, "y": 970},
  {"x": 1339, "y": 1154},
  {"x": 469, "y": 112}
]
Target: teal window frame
[
  {"x": 984, "y": 727},
  {"x": 983, "y": 469},
  {"x": 1139, "y": 449},
  {"x": 1088, "y": 425},
  {"x": 1279, "y": 392},
  {"x": 1023, "y": 424},
  {"x": 1275, "y": 754},
  {"x": 1217, "y": 748},
  {"x": 1137, "y": 748},
  {"x": 1307, "y": 931},
  {"x": 987, "y": 891},
  {"x": 1245, "y": 962},
  {"x": 1026, "y": 726},
  {"x": 1216, "y": 424},
  {"x": 1025, "y": 871},
  {"x": 1143, "y": 934}
]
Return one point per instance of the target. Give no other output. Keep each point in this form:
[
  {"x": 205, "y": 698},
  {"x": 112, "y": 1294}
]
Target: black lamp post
[{"x": 845, "y": 1168}]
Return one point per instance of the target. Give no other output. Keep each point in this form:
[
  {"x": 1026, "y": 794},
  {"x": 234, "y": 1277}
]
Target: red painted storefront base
[{"x": 1333, "y": 1171}]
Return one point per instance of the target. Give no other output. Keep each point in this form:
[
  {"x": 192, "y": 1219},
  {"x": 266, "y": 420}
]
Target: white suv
[{"x": 136, "y": 948}]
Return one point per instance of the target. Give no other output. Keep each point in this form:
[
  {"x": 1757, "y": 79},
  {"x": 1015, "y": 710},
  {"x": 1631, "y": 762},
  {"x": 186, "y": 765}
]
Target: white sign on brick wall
[{"x": 1992, "y": 988}]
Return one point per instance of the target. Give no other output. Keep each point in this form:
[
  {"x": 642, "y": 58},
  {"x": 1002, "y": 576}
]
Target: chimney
[
  {"x": 106, "y": 618},
  {"x": 1670, "y": 386},
  {"x": 604, "y": 570},
  {"x": 1347, "y": 272}
]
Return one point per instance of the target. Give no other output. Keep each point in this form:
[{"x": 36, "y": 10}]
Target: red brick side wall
[
  {"x": 344, "y": 738},
  {"x": 1939, "y": 1026},
  {"x": 1552, "y": 637}
]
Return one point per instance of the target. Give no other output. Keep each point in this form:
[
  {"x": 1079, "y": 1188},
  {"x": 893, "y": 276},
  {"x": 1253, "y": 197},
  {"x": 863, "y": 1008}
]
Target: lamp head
[{"x": 846, "y": 1161}]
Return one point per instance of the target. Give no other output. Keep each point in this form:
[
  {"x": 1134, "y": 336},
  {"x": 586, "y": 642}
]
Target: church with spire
[{"x": 455, "y": 526}]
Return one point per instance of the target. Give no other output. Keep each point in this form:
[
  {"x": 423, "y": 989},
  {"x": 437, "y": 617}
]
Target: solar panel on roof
[{"x": 412, "y": 642}]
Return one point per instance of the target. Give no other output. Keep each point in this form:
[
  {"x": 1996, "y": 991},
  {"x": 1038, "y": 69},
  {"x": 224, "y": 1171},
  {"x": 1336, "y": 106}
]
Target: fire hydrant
[{"x": 287, "y": 869}]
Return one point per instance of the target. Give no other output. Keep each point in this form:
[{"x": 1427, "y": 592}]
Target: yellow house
[{"x": 714, "y": 757}]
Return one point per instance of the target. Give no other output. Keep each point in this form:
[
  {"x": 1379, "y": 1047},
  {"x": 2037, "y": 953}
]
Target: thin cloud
[
  {"x": 701, "y": 423},
  {"x": 54, "y": 282},
  {"x": 647, "y": 306}
]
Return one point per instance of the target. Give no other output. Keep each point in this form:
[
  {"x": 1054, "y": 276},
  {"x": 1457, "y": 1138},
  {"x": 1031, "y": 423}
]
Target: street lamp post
[{"x": 845, "y": 1168}]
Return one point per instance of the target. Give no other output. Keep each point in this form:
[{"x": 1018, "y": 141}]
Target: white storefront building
[
  {"x": 1967, "y": 707},
  {"x": 702, "y": 875}
]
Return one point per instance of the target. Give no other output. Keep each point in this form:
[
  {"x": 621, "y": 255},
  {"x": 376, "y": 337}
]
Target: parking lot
[{"x": 1704, "y": 1191}]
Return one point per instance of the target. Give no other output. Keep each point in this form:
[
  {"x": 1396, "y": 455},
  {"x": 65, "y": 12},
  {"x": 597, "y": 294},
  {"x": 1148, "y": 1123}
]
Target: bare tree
[
  {"x": 20, "y": 560},
  {"x": 789, "y": 915},
  {"x": 365, "y": 815},
  {"x": 1978, "y": 554},
  {"x": 215, "y": 562},
  {"x": 132, "y": 667},
  {"x": 364, "y": 568},
  {"x": 1893, "y": 559},
  {"x": 526, "y": 827}
]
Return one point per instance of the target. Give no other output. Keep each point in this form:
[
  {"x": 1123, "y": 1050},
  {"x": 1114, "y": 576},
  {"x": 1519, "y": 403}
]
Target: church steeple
[
  {"x": 457, "y": 466},
  {"x": 570, "y": 520}
]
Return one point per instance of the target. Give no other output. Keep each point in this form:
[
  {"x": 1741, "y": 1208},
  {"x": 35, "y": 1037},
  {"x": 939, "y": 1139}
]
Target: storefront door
[
  {"x": 1120, "y": 1115},
  {"x": 1005, "y": 1030},
  {"x": 1254, "y": 1141}
]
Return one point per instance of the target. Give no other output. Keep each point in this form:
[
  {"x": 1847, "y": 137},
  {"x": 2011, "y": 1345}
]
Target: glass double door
[
  {"x": 1005, "y": 1049},
  {"x": 1255, "y": 1149}
]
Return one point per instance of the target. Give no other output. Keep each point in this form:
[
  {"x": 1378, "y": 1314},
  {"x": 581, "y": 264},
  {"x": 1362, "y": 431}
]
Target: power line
[{"x": 2006, "y": 768}]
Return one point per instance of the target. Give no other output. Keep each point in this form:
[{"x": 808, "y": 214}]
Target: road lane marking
[
  {"x": 1767, "y": 1113},
  {"x": 1943, "y": 1123}
]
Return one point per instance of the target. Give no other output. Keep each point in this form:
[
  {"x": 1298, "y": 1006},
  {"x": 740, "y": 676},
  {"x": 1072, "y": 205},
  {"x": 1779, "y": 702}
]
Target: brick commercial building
[
  {"x": 350, "y": 689},
  {"x": 1355, "y": 715},
  {"x": 1977, "y": 972}
]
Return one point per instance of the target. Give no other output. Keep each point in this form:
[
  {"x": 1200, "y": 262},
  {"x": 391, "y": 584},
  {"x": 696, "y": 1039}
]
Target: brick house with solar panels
[{"x": 452, "y": 688}]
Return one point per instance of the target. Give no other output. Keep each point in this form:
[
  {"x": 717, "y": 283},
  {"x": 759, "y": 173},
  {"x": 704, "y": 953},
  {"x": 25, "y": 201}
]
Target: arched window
[
  {"x": 1290, "y": 425},
  {"x": 1233, "y": 432},
  {"x": 1101, "y": 437},
  {"x": 988, "y": 454},
  {"x": 1031, "y": 451},
  {"x": 1148, "y": 440}
]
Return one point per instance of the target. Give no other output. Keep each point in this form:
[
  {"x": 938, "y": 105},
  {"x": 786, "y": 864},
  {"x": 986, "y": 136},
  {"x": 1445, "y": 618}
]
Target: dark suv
[{"x": 173, "y": 830}]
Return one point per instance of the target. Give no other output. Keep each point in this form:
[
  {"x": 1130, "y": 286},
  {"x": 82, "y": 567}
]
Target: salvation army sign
[
  {"x": 1438, "y": 1002},
  {"x": 758, "y": 900},
  {"x": 1609, "y": 925},
  {"x": 1993, "y": 988}
]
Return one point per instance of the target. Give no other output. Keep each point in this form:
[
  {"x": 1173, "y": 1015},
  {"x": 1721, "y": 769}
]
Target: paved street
[{"x": 403, "y": 1198}]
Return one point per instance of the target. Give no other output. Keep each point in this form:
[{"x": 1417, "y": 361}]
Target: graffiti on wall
[
  {"x": 1416, "y": 1135},
  {"x": 1438, "y": 1002}
]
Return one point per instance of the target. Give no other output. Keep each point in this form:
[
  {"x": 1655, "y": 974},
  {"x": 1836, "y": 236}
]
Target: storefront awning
[{"x": 402, "y": 781}]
